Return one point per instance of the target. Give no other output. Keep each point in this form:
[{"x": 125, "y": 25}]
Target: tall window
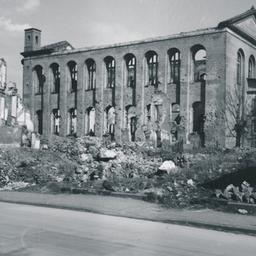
[
  {"x": 240, "y": 67},
  {"x": 199, "y": 62},
  {"x": 152, "y": 71},
  {"x": 72, "y": 121},
  {"x": 110, "y": 70},
  {"x": 38, "y": 79},
  {"x": 56, "y": 121},
  {"x": 131, "y": 70},
  {"x": 251, "y": 67},
  {"x": 39, "y": 115},
  {"x": 73, "y": 76},
  {"x": 91, "y": 71},
  {"x": 90, "y": 121},
  {"x": 174, "y": 60},
  {"x": 109, "y": 121},
  {"x": 55, "y": 68}
]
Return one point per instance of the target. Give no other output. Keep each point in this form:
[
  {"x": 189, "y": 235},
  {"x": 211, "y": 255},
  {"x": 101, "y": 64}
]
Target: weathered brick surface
[{"x": 221, "y": 47}]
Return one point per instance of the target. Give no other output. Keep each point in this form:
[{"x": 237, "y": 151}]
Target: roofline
[
  {"x": 236, "y": 18},
  {"x": 28, "y": 29},
  {"x": 147, "y": 40}
]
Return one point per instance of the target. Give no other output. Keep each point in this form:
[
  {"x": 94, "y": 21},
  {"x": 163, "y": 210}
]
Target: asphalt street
[{"x": 31, "y": 230}]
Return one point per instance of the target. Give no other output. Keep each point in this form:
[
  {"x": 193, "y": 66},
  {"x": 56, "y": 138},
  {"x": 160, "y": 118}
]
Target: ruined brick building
[
  {"x": 162, "y": 89},
  {"x": 12, "y": 111}
]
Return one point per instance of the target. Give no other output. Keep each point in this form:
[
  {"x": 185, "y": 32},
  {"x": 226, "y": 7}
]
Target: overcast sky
[{"x": 96, "y": 22}]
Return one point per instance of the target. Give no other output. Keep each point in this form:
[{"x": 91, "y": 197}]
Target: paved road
[{"x": 29, "y": 230}]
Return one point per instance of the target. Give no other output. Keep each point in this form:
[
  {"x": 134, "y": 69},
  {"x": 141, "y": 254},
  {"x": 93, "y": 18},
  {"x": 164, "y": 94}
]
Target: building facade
[
  {"x": 162, "y": 90},
  {"x": 12, "y": 110}
]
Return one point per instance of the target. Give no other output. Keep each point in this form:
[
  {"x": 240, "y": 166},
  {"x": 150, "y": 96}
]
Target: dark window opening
[
  {"x": 133, "y": 127},
  {"x": 174, "y": 59},
  {"x": 39, "y": 114},
  {"x": 91, "y": 69},
  {"x": 148, "y": 113},
  {"x": 251, "y": 68},
  {"x": 152, "y": 62},
  {"x": 73, "y": 76},
  {"x": 110, "y": 68},
  {"x": 36, "y": 39},
  {"x": 90, "y": 121},
  {"x": 131, "y": 71},
  {"x": 109, "y": 122},
  {"x": 253, "y": 107},
  {"x": 199, "y": 63},
  {"x": 39, "y": 80},
  {"x": 56, "y": 78},
  {"x": 72, "y": 121},
  {"x": 56, "y": 121},
  {"x": 240, "y": 67}
]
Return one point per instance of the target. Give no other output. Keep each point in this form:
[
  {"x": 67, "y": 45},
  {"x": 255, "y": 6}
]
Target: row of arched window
[
  {"x": 174, "y": 56},
  {"x": 241, "y": 67},
  {"x": 90, "y": 119}
]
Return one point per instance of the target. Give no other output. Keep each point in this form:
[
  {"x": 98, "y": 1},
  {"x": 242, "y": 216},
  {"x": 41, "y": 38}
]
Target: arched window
[
  {"x": 131, "y": 121},
  {"x": 174, "y": 62},
  {"x": 72, "y": 121},
  {"x": 109, "y": 121},
  {"x": 199, "y": 62},
  {"x": 38, "y": 79},
  {"x": 110, "y": 72},
  {"x": 152, "y": 68},
  {"x": 55, "y": 78},
  {"x": 251, "y": 67},
  {"x": 56, "y": 121},
  {"x": 240, "y": 67},
  {"x": 130, "y": 61},
  {"x": 90, "y": 121},
  {"x": 91, "y": 74},
  {"x": 72, "y": 66}
]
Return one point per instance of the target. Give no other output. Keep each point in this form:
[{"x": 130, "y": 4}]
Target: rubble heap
[{"x": 89, "y": 164}]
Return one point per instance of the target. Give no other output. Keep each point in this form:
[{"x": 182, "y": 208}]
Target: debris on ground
[
  {"x": 244, "y": 193},
  {"x": 87, "y": 163}
]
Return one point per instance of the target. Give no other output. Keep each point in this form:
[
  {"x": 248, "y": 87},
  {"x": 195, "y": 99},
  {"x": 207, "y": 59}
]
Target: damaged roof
[{"x": 243, "y": 24}]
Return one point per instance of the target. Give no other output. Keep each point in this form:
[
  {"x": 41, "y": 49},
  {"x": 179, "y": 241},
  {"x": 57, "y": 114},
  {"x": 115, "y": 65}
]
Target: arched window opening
[
  {"x": 56, "y": 121},
  {"x": 251, "y": 67},
  {"x": 110, "y": 72},
  {"x": 38, "y": 79},
  {"x": 90, "y": 121},
  {"x": 131, "y": 70},
  {"x": 240, "y": 67},
  {"x": 131, "y": 121},
  {"x": 72, "y": 121},
  {"x": 174, "y": 62},
  {"x": 55, "y": 78},
  {"x": 39, "y": 115},
  {"x": 199, "y": 63},
  {"x": 152, "y": 68},
  {"x": 110, "y": 121},
  {"x": 73, "y": 76},
  {"x": 91, "y": 72}
]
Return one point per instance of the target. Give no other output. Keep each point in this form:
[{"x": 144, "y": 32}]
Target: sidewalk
[{"x": 132, "y": 208}]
